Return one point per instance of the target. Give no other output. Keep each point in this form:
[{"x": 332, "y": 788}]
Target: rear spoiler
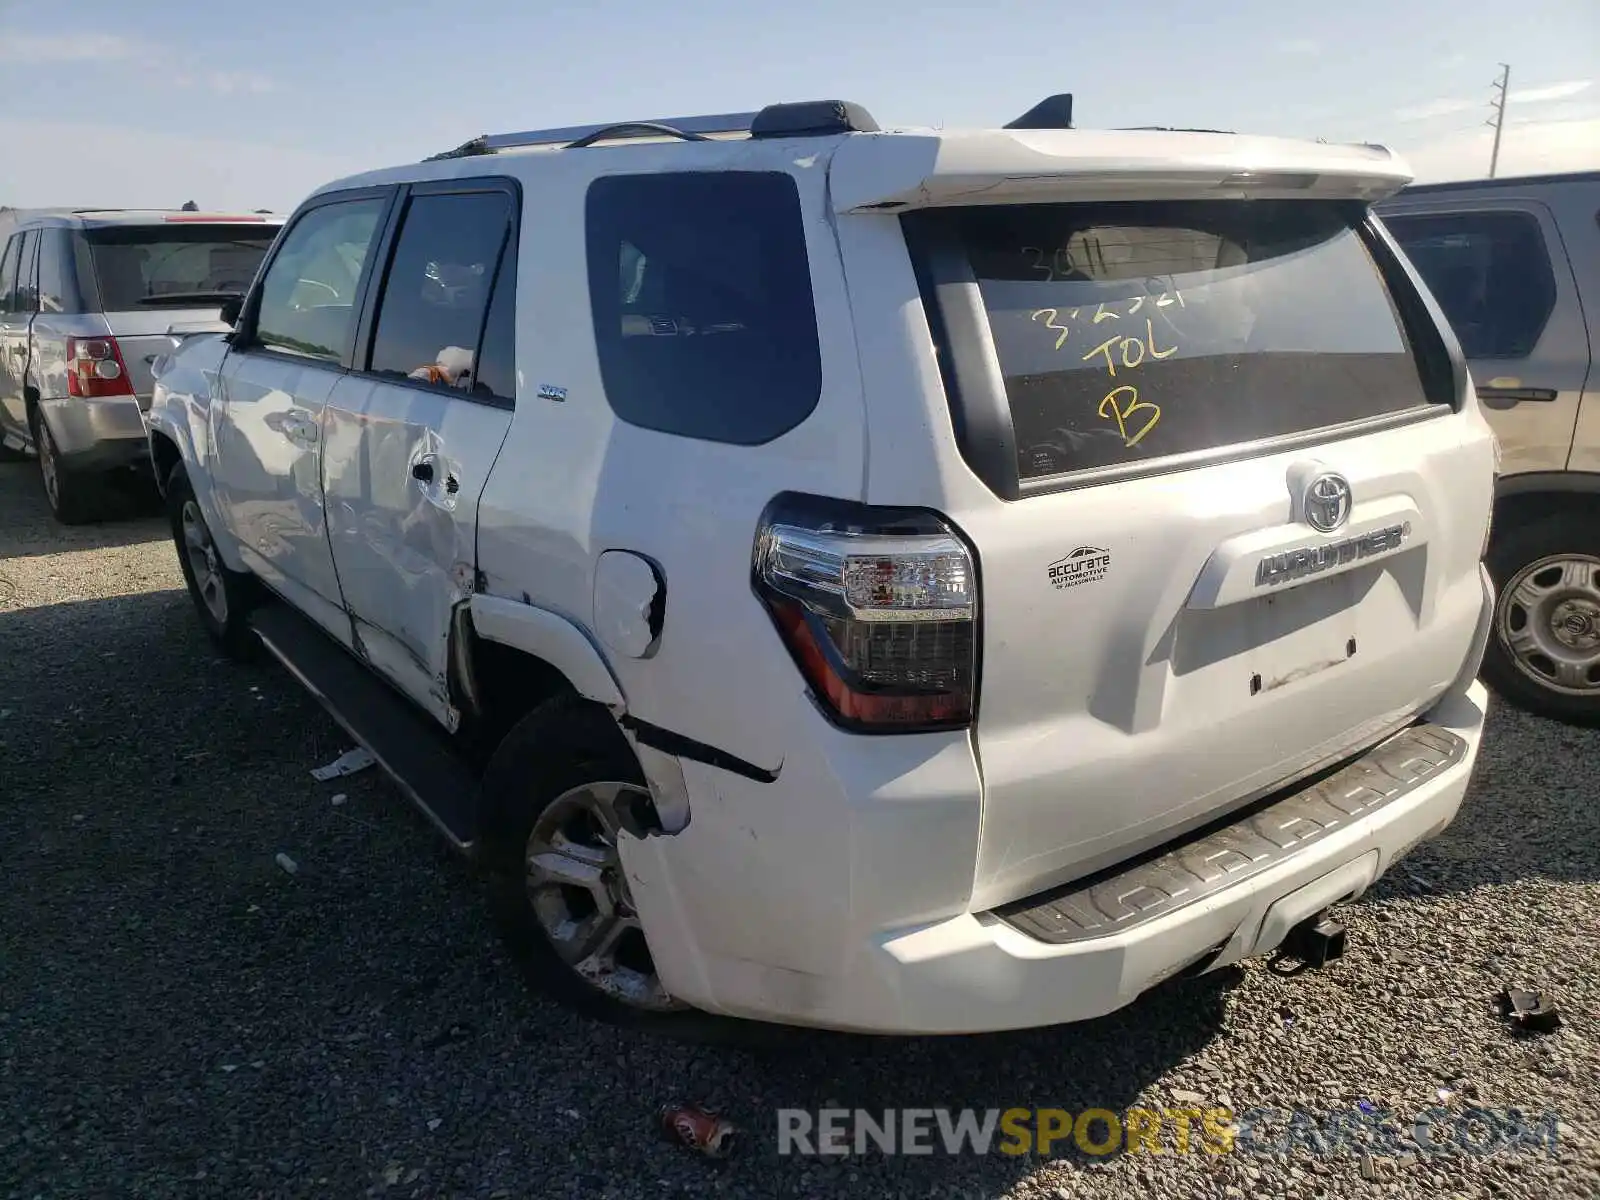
[{"x": 890, "y": 173}]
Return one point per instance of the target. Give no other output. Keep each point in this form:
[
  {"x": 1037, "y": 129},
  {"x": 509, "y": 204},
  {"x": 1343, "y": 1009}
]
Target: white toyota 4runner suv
[{"x": 897, "y": 581}]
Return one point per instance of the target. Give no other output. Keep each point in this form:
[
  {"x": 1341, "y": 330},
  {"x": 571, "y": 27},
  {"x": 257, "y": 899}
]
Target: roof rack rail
[{"x": 807, "y": 119}]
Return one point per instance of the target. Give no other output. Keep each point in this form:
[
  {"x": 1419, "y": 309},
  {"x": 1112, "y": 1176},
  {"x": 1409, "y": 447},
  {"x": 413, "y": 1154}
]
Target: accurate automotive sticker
[{"x": 1086, "y": 564}]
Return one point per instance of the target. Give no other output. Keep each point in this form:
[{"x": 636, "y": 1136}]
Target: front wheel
[
  {"x": 1544, "y": 656},
  {"x": 222, "y": 597}
]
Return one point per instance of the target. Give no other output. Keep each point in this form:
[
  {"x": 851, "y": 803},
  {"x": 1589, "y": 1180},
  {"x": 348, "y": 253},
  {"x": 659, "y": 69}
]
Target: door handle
[{"x": 1505, "y": 397}]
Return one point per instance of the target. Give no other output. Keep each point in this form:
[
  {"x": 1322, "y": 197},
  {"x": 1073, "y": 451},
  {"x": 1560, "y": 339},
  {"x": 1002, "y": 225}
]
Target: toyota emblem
[{"x": 1327, "y": 503}]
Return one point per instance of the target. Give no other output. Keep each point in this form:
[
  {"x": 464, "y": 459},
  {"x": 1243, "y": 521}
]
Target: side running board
[{"x": 404, "y": 741}]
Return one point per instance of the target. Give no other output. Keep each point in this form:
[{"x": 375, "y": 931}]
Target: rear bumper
[
  {"x": 97, "y": 434},
  {"x": 1082, "y": 954}
]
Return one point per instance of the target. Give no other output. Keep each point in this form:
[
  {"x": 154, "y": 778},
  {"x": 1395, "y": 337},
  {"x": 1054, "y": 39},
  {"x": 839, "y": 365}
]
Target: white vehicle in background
[
  {"x": 89, "y": 298},
  {"x": 916, "y": 582}
]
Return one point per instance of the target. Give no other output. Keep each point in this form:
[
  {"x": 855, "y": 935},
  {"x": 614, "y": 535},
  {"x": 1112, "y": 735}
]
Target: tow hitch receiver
[{"x": 1315, "y": 942}]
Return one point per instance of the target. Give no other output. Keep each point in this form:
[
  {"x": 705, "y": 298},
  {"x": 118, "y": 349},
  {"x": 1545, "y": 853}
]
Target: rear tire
[
  {"x": 75, "y": 497},
  {"x": 559, "y": 896},
  {"x": 222, "y": 597},
  {"x": 1544, "y": 652}
]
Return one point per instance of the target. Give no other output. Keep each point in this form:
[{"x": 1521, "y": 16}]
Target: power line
[{"x": 1499, "y": 118}]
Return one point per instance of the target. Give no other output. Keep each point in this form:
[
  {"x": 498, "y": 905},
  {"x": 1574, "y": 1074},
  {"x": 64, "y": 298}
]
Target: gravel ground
[{"x": 181, "y": 1017}]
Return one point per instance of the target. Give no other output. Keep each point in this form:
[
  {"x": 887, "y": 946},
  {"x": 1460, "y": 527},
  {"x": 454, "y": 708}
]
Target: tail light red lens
[
  {"x": 879, "y": 612},
  {"x": 95, "y": 368}
]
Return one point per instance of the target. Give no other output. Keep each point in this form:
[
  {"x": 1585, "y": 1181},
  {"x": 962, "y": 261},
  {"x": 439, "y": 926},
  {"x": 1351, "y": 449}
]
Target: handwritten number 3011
[{"x": 1061, "y": 265}]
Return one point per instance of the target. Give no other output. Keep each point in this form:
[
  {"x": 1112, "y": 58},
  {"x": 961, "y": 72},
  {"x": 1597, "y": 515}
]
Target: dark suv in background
[
  {"x": 1515, "y": 265},
  {"x": 88, "y": 300}
]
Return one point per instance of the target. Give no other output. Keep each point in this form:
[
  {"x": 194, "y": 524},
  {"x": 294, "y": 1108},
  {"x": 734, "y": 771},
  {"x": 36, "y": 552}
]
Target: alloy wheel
[
  {"x": 203, "y": 562},
  {"x": 579, "y": 896}
]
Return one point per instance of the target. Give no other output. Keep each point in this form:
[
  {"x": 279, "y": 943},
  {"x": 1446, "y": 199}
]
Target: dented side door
[{"x": 408, "y": 447}]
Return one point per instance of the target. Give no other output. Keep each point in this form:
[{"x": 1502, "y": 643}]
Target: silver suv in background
[
  {"x": 88, "y": 300},
  {"x": 1515, "y": 265}
]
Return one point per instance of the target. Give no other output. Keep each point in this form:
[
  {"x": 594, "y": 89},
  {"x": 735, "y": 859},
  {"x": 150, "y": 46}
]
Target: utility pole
[{"x": 1499, "y": 118}]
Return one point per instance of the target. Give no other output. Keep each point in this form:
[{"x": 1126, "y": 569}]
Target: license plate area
[{"x": 1272, "y": 640}]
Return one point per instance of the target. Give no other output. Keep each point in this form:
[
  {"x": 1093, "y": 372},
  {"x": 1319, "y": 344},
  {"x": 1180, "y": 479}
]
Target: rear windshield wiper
[{"x": 165, "y": 298}]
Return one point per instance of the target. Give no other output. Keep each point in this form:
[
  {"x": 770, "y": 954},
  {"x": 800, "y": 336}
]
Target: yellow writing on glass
[
  {"x": 1122, "y": 404},
  {"x": 1050, "y": 315},
  {"x": 1106, "y": 311},
  {"x": 1131, "y": 350},
  {"x": 1122, "y": 412}
]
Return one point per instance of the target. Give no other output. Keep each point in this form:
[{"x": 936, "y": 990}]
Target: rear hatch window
[
  {"x": 1135, "y": 331},
  {"x": 174, "y": 266}
]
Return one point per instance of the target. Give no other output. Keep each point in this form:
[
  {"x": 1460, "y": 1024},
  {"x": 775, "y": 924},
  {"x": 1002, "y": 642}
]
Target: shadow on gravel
[
  {"x": 1105, "y": 1064},
  {"x": 133, "y": 516}
]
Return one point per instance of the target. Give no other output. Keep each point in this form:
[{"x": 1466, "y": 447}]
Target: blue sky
[{"x": 135, "y": 102}]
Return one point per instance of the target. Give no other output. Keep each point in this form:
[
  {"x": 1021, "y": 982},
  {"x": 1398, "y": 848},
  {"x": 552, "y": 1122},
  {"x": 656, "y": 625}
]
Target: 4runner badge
[
  {"x": 1313, "y": 560},
  {"x": 1084, "y": 565}
]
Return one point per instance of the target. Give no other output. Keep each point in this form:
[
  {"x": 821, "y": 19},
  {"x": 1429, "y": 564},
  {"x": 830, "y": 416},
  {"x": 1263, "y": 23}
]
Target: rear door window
[
  {"x": 1489, "y": 271},
  {"x": 700, "y": 289},
  {"x": 495, "y": 378},
  {"x": 431, "y": 316},
  {"x": 177, "y": 265},
  {"x": 1135, "y": 331}
]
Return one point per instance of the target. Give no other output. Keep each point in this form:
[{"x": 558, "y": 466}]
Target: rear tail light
[
  {"x": 879, "y": 610},
  {"x": 95, "y": 368}
]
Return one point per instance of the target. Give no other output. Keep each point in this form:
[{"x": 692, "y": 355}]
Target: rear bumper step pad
[{"x": 1128, "y": 897}]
